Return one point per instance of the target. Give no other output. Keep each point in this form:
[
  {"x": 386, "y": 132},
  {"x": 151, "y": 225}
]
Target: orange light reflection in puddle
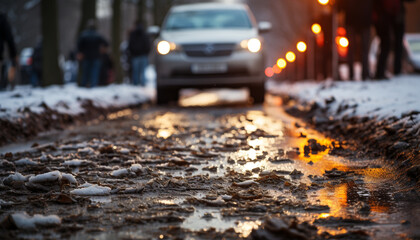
[
  {"x": 119, "y": 114},
  {"x": 245, "y": 228}
]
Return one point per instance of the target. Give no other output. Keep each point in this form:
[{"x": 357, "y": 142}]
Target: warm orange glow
[
  {"x": 281, "y": 63},
  {"x": 341, "y": 31},
  {"x": 301, "y": 46},
  {"x": 276, "y": 69},
  {"x": 290, "y": 57},
  {"x": 269, "y": 72},
  {"x": 316, "y": 28},
  {"x": 343, "y": 42},
  {"x": 323, "y": 2}
]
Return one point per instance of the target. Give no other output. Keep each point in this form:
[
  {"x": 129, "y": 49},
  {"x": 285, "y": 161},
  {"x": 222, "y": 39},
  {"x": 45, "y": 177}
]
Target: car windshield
[
  {"x": 208, "y": 19},
  {"x": 415, "y": 46}
]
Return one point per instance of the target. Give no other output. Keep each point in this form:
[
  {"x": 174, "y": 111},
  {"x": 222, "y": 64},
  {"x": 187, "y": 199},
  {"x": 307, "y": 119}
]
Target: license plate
[{"x": 209, "y": 68}]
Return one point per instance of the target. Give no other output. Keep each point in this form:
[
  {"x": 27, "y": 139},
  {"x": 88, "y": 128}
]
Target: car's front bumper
[{"x": 243, "y": 68}]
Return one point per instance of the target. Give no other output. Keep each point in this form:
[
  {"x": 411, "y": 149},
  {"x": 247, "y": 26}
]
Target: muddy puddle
[{"x": 201, "y": 173}]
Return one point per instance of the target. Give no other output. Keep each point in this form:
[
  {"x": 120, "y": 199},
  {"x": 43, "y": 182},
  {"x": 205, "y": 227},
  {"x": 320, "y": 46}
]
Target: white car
[
  {"x": 412, "y": 46},
  {"x": 208, "y": 45}
]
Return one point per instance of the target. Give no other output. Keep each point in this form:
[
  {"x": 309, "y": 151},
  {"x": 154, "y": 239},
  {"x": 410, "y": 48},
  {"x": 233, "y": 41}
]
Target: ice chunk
[
  {"x": 25, "y": 161},
  {"x": 93, "y": 190},
  {"x": 69, "y": 177},
  {"x": 24, "y": 221},
  {"x": 119, "y": 173},
  {"x": 46, "y": 177}
]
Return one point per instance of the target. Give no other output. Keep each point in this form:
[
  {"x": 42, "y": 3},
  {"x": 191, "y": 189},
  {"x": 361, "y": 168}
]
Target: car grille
[{"x": 209, "y": 50}]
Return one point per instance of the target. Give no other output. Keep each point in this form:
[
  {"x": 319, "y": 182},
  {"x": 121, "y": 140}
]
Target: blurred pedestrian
[
  {"x": 91, "y": 45},
  {"x": 107, "y": 70},
  {"x": 6, "y": 37},
  {"x": 389, "y": 22},
  {"x": 139, "y": 48},
  {"x": 358, "y": 17},
  {"x": 36, "y": 75}
]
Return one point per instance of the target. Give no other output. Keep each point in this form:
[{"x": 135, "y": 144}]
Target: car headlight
[
  {"x": 164, "y": 47},
  {"x": 253, "y": 45}
]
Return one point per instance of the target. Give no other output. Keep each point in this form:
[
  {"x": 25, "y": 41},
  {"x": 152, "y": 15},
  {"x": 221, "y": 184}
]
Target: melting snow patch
[
  {"x": 86, "y": 150},
  {"x": 136, "y": 168},
  {"x": 46, "y": 177},
  {"x": 93, "y": 190},
  {"x": 16, "y": 177},
  {"x": 25, "y": 161},
  {"x": 119, "y": 173},
  {"x": 125, "y": 151},
  {"x": 24, "y": 221},
  {"x": 76, "y": 163},
  {"x": 69, "y": 177}
]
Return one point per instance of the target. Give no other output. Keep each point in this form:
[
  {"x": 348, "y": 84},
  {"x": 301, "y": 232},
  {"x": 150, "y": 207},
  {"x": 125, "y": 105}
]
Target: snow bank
[
  {"x": 67, "y": 98},
  {"x": 381, "y": 99},
  {"x": 24, "y": 221},
  {"x": 93, "y": 190}
]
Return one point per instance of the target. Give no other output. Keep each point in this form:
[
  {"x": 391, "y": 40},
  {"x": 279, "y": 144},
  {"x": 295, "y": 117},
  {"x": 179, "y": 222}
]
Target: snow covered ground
[
  {"x": 69, "y": 98},
  {"x": 381, "y": 99}
]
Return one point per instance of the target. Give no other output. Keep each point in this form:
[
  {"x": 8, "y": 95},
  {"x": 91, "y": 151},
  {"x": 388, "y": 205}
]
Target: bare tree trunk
[
  {"x": 141, "y": 11},
  {"x": 88, "y": 9},
  {"x": 51, "y": 73},
  {"x": 160, "y": 9},
  {"x": 116, "y": 39}
]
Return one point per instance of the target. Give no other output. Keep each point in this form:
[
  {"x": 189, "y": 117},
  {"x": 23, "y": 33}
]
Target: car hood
[{"x": 206, "y": 36}]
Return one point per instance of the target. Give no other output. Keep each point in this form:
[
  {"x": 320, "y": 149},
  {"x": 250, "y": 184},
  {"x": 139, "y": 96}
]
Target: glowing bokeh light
[
  {"x": 290, "y": 57},
  {"x": 316, "y": 28},
  {"x": 301, "y": 46}
]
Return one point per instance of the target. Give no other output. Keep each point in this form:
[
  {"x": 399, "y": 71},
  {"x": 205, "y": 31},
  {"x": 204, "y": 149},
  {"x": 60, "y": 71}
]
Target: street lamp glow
[
  {"x": 323, "y": 2},
  {"x": 344, "y": 42},
  {"x": 281, "y": 63},
  {"x": 301, "y": 46},
  {"x": 276, "y": 69},
  {"x": 316, "y": 28},
  {"x": 290, "y": 57},
  {"x": 269, "y": 72}
]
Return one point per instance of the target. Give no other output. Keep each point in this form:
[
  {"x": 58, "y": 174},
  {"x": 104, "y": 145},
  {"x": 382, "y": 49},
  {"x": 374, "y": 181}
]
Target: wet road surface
[{"x": 204, "y": 173}]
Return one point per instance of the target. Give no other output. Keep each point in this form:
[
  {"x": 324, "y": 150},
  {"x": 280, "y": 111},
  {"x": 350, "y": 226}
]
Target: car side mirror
[
  {"x": 153, "y": 31},
  {"x": 264, "y": 27}
]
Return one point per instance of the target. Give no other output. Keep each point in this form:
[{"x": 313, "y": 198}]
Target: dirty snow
[
  {"x": 25, "y": 161},
  {"x": 76, "y": 163},
  {"x": 93, "y": 190},
  {"x": 46, "y": 177},
  {"x": 17, "y": 177},
  {"x": 136, "y": 168},
  {"x": 69, "y": 177},
  {"x": 69, "y": 98},
  {"x": 119, "y": 173},
  {"x": 24, "y": 221},
  {"x": 381, "y": 99}
]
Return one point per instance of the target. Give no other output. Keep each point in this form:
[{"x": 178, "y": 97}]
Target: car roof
[{"x": 208, "y": 6}]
